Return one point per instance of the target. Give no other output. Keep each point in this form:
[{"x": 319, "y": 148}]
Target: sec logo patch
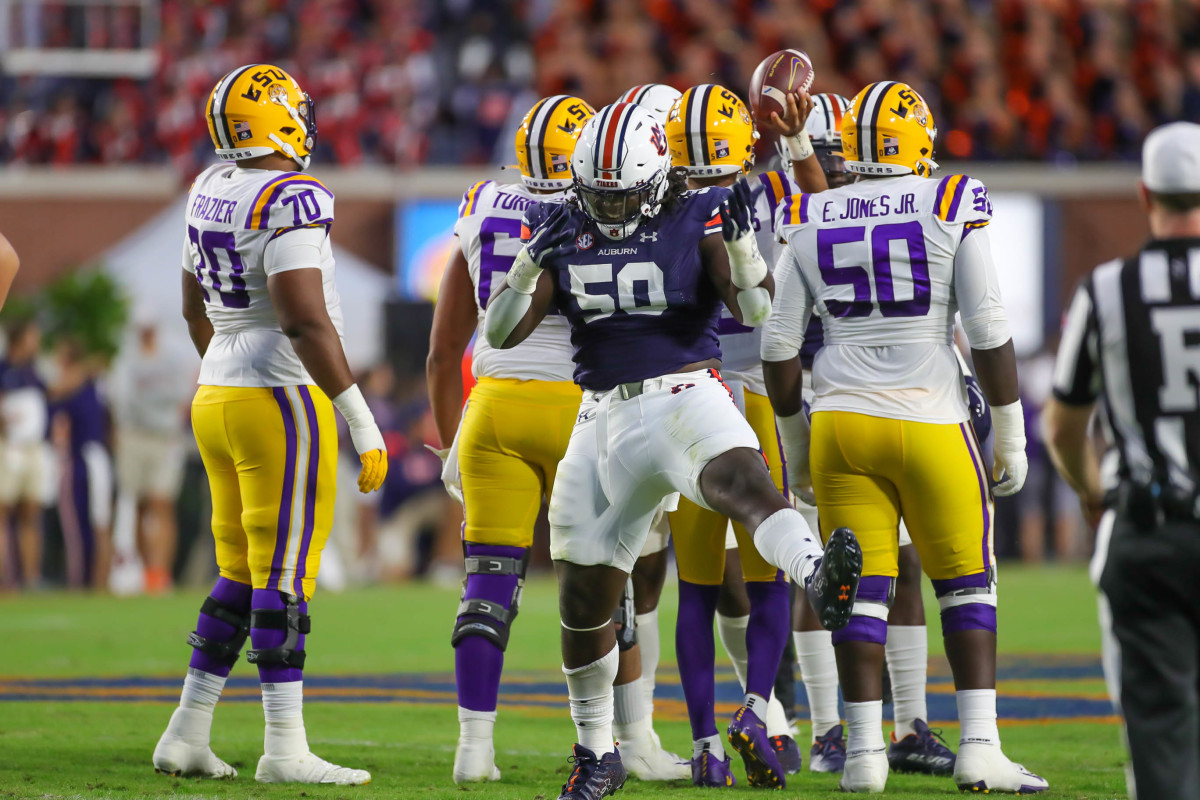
[{"x": 585, "y": 241}]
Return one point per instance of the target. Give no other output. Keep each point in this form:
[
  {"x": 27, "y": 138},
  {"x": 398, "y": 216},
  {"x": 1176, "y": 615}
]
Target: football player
[
  {"x": 914, "y": 746},
  {"x": 711, "y": 137},
  {"x": 639, "y": 271},
  {"x": 264, "y": 315},
  {"x": 513, "y": 433},
  {"x": 886, "y": 262}
]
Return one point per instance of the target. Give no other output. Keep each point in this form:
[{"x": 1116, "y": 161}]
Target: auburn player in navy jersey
[{"x": 640, "y": 268}]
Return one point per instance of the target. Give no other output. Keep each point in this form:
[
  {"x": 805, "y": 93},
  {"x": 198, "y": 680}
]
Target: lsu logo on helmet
[
  {"x": 546, "y": 138},
  {"x": 259, "y": 109},
  {"x": 709, "y": 132},
  {"x": 889, "y": 131}
]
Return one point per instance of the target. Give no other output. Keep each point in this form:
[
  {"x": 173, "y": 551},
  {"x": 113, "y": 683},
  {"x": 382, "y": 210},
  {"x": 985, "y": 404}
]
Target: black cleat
[
  {"x": 593, "y": 778},
  {"x": 834, "y": 585}
]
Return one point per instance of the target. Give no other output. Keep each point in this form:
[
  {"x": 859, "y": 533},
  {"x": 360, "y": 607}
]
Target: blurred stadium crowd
[{"x": 410, "y": 82}]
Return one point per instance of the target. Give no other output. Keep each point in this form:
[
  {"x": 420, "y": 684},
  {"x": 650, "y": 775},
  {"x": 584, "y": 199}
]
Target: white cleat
[
  {"x": 187, "y": 755},
  {"x": 985, "y": 768},
  {"x": 475, "y": 762},
  {"x": 866, "y": 771},
  {"x": 645, "y": 759},
  {"x": 307, "y": 768}
]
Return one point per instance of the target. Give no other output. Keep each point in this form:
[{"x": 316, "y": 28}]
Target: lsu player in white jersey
[
  {"x": 712, "y": 137},
  {"x": 887, "y": 262},
  {"x": 508, "y": 441},
  {"x": 914, "y": 746},
  {"x": 264, "y": 315}
]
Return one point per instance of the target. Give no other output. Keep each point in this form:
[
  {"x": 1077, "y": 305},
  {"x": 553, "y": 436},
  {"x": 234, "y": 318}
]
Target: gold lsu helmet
[
  {"x": 710, "y": 132},
  {"x": 259, "y": 109},
  {"x": 546, "y": 138},
  {"x": 889, "y": 131}
]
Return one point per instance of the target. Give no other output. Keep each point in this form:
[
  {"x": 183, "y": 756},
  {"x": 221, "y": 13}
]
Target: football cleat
[
  {"x": 866, "y": 771},
  {"x": 748, "y": 736},
  {"x": 644, "y": 758},
  {"x": 307, "y": 768},
  {"x": 788, "y": 753},
  {"x": 712, "y": 772},
  {"x": 593, "y": 778},
  {"x": 985, "y": 768},
  {"x": 834, "y": 584},
  {"x": 176, "y": 756},
  {"x": 475, "y": 762},
  {"x": 923, "y": 751},
  {"x": 828, "y": 753}
]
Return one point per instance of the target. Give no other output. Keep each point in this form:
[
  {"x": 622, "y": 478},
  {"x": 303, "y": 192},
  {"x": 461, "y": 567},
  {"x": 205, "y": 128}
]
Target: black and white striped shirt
[{"x": 1132, "y": 337}]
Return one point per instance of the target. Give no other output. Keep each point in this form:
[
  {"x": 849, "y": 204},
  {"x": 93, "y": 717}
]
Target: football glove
[
  {"x": 1008, "y": 452},
  {"x": 981, "y": 416},
  {"x": 450, "y": 476},
  {"x": 374, "y": 470},
  {"x": 365, "y": 435},
  {"x": 553, "y": 238},
  {"x": 747, "y": 269}
]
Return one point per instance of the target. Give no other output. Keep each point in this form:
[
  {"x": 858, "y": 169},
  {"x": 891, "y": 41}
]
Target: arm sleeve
[
  {"x": 1076, "y": 371},
  {"x": 977, "y": 293},
  {"x": 783, "y": 334},
  {"x": 294, "y": 248}
]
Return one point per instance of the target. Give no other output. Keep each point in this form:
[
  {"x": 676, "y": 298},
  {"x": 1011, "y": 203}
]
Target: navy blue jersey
[{"x": 643, "y": 306}]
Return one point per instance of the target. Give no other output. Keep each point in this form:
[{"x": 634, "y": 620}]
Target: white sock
[
  {"x": 710, "y": 743},
  {"x": 475, "y": 727},
  {"x": 818, "y": 670},
  {"x": 756, "y": 703},
  {"x": 283, "y": 707},
  {"x": 777, "y": 722},
  {"x": 629, "y": 711},
  {"x": 864, "y": 727},
  {"x": 907, "y": 651},
  {"x": 787, "y": 543},
  {"x": 201, "y": 690},
  {"x": 591, "y": 690},
  {"x": 648, "y": 644},
  {"x": 977, "y": 716},
  {"x": 732, "y": 631}
]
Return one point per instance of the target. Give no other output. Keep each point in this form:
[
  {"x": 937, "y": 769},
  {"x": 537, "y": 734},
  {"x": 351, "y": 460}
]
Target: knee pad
[
  {"x": 968, "y": 603},
  {"x": 226, "y": 652},
  {"x": 289, "y": 619},
  {"x": 623, "y": 617},
  {"x": 871, "y": 606},
  {"x": 490, "y": 573}
]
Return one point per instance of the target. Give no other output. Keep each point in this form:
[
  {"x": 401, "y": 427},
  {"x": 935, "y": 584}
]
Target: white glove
[
  {"x": 450, "y": 477},
  {"x": 1008, "y": 451}
]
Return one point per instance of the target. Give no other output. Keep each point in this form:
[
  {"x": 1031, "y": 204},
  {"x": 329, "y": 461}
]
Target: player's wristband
[
  {"x": 523, "y": 276},
  {"x": 755, "y": 305},
  {"x": 364, "y": 433},
  {"x": 1008, "y": 423},
  {"x": 799, "y": 146}
]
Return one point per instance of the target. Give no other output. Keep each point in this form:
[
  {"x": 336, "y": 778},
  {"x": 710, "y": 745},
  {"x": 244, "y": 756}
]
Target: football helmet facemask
[
  {"x": 824, "y": 126},
  {"x": 710, "y": 132},
  {"x": 546, "y": 138},
  {"x": 259, "y": 109},
  {"x": 621, "y": 164},
  {"x": 889, "y": 130}
]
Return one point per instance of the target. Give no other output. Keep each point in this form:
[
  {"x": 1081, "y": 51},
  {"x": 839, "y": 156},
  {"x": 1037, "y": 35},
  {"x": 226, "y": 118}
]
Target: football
[{"x": 778, "y": 75}]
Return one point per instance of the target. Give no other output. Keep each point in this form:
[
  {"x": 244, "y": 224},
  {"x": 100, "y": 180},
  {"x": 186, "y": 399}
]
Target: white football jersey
[
  {"x": 489, "y": 233},
  {"x": 877, "y": 261},
  {"x": 232, "y": 215},
  {"x": 740, "y": 343}
]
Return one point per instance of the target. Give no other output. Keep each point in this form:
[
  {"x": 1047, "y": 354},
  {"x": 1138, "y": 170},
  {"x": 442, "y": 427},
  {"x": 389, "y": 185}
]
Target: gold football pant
[
  {"x": 699, "y": 533},
  {"x": 271, "y": 459},
  {"x": 513, "y": 435}
]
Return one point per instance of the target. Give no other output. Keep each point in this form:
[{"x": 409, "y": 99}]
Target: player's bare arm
[
  {"x": 199, "y": 326},
  {"x": 454, "y": 320},
  {"x": 806, "y": 167},
  {"x": 9, "y": 264},
  {"x": 1073, "y": 451}
]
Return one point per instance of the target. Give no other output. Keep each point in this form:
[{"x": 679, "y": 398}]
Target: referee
[{"x": 1132, "y": 337}]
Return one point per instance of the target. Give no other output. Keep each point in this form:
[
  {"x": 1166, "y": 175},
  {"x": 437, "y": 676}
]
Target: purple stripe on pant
[
  {"x": 266, "y": 638},
  {"x": 283, "y": 528},
  {"x": 310, "y": 489},
  {"x": 237, "y": 597},
  {"x": 968, "y": 435},
  {"x": 477, "y": 661},
  {"x": 695, "y": 651}
]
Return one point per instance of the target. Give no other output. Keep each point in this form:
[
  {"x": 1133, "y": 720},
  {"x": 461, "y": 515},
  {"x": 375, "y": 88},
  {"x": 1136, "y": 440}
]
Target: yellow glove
[{"x": 374, "y": 470}]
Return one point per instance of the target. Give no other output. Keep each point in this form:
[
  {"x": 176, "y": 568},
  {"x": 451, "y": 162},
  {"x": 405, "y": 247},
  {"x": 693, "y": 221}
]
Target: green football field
[{"x": 89, "y": 682}]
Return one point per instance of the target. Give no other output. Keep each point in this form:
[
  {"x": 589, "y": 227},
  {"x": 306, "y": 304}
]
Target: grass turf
[{"x": 56, "y": 749}]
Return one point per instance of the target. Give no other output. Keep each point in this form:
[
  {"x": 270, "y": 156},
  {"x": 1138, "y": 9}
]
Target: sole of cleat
[
  {"x": 843, "y": 565},
  {"x": 758, "y": 772}
]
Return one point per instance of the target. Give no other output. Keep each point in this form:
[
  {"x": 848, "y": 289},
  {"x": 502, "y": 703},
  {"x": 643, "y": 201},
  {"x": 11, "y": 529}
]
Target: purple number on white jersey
[
  {"x": 210, "y": 244},
  {"x": 492, "y": 264},
  {"x": 856, "y": 276}
]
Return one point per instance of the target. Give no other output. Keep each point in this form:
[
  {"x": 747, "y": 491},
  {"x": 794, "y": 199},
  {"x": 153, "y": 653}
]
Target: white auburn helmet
[
  {"x": 620, "y": 166},
  {"x": 824, "y": 126},
  {"x": 657, "y": 98}
]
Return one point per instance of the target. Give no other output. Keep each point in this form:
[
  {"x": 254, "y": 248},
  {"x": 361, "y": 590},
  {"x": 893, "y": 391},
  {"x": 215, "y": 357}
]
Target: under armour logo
[{"x": 652, "y": 236}]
